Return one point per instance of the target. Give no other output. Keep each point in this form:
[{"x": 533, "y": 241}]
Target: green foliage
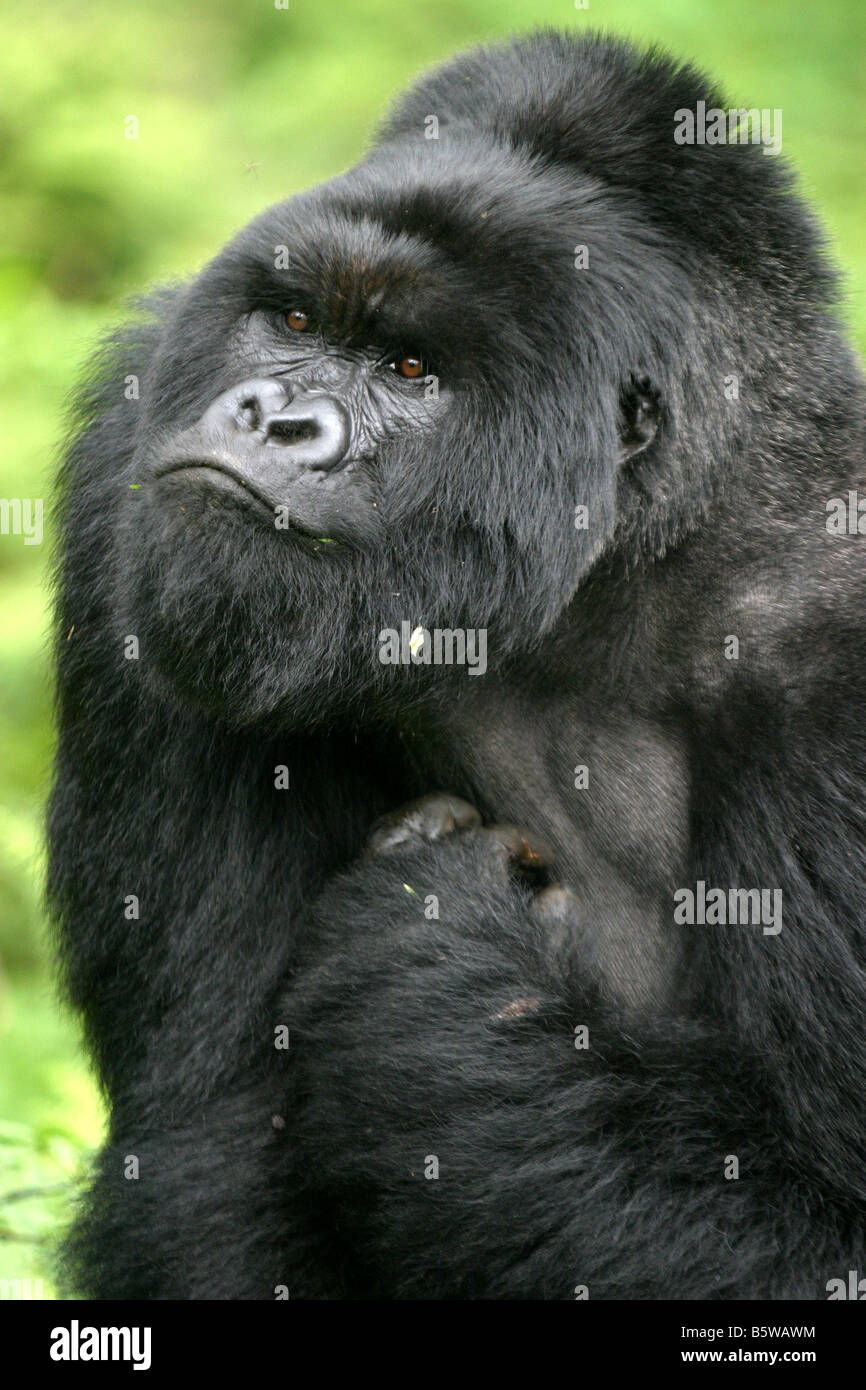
[{"x": 239, "y": 104}]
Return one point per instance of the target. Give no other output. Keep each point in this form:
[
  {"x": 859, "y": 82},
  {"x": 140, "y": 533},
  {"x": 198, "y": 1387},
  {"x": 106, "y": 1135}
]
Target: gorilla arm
[{"x": 178, "y": 874}]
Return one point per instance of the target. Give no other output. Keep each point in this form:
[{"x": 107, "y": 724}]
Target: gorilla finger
[
  {"x": 526, "y": 853},
  {"x": 556, "y": 905},
  {"x": 427, "y": 818},
  {"x": 517, "y": 1009},
  {"x": 557, "y": 910}
]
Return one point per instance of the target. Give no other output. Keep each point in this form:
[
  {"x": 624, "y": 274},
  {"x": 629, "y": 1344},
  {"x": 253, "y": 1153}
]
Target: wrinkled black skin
[{"x": 558, "y": 1167}]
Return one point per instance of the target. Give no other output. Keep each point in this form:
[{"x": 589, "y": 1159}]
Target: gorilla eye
[
  {"x": 408, "y": 367},
  {"x": 298, "y": 320}
]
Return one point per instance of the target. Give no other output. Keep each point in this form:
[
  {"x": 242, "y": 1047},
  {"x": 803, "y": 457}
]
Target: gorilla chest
[{"x": 609, "y": 790}]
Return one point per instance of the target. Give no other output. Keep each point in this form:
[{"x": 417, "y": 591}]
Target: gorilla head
[{"x": 440, "y": 387}]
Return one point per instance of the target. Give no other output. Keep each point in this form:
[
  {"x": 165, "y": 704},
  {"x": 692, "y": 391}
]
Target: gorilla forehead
[{"x": 456, "y": 241}]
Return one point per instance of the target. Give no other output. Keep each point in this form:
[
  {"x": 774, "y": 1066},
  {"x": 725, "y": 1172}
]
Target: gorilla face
[{"x": 383, "y": 402}]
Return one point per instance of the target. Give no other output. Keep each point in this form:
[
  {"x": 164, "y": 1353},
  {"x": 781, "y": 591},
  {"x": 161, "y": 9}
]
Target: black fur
[{"x": 558, "y": 1167}]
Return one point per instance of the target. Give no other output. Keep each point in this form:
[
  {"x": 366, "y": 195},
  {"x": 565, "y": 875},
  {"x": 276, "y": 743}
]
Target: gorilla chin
[{"x": 208, "y": 566}]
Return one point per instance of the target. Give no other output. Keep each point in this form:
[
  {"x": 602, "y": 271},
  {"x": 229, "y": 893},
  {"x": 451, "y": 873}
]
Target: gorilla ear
[{"x": 639, "y": 415}]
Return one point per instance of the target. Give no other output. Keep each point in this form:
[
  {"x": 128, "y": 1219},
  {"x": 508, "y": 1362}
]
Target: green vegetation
[{"x": 238, "y": 104}]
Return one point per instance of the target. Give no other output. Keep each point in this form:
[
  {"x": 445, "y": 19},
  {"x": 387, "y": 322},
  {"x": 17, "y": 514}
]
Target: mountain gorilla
[{"x": 585, "y": 1016}]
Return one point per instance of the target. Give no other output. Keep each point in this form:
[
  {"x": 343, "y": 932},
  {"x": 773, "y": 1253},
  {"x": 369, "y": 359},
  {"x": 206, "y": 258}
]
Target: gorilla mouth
[{"x": 216, "y": 476}]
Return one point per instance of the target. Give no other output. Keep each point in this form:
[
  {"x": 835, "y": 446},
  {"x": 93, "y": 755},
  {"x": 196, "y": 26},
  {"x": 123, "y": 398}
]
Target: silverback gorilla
[{"x": 585, "y": 1014}]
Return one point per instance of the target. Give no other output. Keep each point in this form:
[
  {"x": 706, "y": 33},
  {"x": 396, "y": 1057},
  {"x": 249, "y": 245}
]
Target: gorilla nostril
[
  {"x": 250, "y": 412},
  {"x": 283, "y": 431},
  {"x": 248, "y": 406},
  {"x": 313, "y": 429}
]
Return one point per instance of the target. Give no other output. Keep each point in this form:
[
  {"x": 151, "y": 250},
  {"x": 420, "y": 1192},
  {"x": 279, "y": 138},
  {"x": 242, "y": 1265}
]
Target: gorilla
[{"x": 458, "y": 837}]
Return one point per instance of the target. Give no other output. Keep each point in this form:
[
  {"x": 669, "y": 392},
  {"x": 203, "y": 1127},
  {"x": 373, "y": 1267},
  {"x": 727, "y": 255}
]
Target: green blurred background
[{"x": 239, "y": 103}]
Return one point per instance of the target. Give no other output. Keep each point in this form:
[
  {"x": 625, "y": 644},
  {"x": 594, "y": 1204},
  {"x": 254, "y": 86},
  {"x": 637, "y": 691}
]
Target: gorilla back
[{"x": 554, "y": 377}]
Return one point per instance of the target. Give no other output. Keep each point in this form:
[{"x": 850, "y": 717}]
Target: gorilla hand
[
  {"x": 521, "y": 854},
  {"x": 428, "y": 1007}
]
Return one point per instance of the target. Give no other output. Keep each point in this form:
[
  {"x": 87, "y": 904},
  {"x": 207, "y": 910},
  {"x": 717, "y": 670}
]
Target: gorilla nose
[
  {"x": 311, "y": 430},
  {"x": 265, "y": 442}
]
